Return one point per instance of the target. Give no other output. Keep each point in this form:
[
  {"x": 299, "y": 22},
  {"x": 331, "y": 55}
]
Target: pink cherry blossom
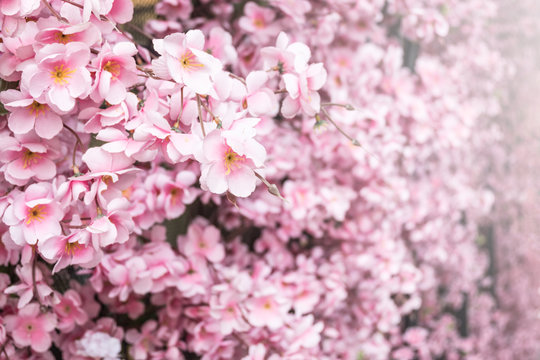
[
  {"x": 230, "y": 158},
  {"x": 184, "y": 61},
  {"x": 202, "y": 240},
  {"x": 302, "y": 91},
  {"x": 26, "y": 290},
  {"x": 30, "y": 328},
  {"x": 260, "y": 100},
  {"x": 27, "y": 114},
  {"x": 26, "y": 157},
  {"x": 60, "y": 74},
  {"x": 259, "y": 21},
  {"x": 69, "y": 311},
  {"x": 34, "y": 215},
  {"x": 74, "y": 249},
  {"x": 116, "y": 72}
]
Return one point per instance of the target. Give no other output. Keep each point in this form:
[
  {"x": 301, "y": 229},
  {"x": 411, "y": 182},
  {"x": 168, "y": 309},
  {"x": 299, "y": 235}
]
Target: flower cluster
[{"x": 251, "y": 180}]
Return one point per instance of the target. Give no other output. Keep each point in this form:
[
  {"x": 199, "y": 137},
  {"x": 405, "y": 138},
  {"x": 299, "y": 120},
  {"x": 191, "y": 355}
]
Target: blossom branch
[
  {"x": 200, "y": 115},
  {"x": 77, "y": 143}
]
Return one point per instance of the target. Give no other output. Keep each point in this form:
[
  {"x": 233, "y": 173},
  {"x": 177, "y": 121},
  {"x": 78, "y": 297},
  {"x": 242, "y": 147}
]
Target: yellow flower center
[
  {"x": 127, "y": 192},
  {"x": 113, "y": 67},
  {"x": 36, "y": 213},
  {"x": 176, "y": 193},
  {"x": 36, "y": 109},
  {"x": 30, "y": 158},
  {"x": 267, "y": 305},
  {"x": 72, "y": 247},
  {"x": 258, "y": 23},
  {"x": 107, "y": 179},
  {"x": 232, "y": 159},
  {"x": 61, "y": 74},
  {"x": 189, "y": 62},
  {"x": 62, "y": 38}
]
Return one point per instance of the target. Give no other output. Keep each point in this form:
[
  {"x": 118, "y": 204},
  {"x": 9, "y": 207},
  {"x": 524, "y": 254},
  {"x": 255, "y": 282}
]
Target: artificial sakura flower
[
  {"x": 176, "y": 194},
  {"x": 119, "y": 11},
  {"x": 112, "y": 225},
  {"x": 109, "y": 174},
  {"x": 268, "y": 310},
  {"x": 34, "y": 215},
  {"x": 302, "y": 89},
  {"x": 31, "y": 284},
  {"x": 70, "y": 311},
  {"x": 256, "y": 352},
  {"x": 73, "y": 249},
  {"x": 52, "y": 31},
  {"x": 19, "y": 7},
  {"x": 27, "y": 157},
  {"x": 260, "y": 100},
  {"x": 100, "y": 345},
  {"x": 16, "y": 48},
  {"x": 26, "y": 114},
  {"x": 285, "y": 57},
  {"x": 60, "y": 74},
  {"x": 259, "y": 21},
  {"x": 295, "y": 9},
  {"x": 219, "y": 45},
  {"x": 30, "y": 327},
  {"x": 230, "y": 157},
  {"x": 184, "y": 60},
  {"x": 116, "y": 72},
  {"x": 202, "y": 239}
]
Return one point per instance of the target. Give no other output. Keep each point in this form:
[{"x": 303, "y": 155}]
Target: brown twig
[
  {"x": 34, "y": 284},
  {"x": 348, "y": 107},
  {"x": 214, "y": 117},
  {"x": 242, "y": 80},
  {"x": 73, "y": 3},
  {"x": 200, "y": 114},
  {"x": 272, "y": 188},
  {"x": 3, "y": 350},
  {"x": 177, "y": 123},
  {"x": 77, "y": 143},
  {"x": 353, "y": 140},
  {"x": 54, "y": 12}
]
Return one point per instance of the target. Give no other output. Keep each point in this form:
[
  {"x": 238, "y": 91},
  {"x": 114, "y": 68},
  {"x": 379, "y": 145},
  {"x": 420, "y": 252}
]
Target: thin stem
[
  {"x": 280, "y": 91},
  {"x": 74, "y": 4},
  {"x": 77, "y": 143},
  {"x": 82, "y": 219},
  {"x": 139, "y": 30},
  {"x": 200, "y": 114},
  {"x": 36, "y": 292},
  {"x": 353, "y": 140},
  {"x": 54, "y": 12},
  {"x": 243, "y": 81},
  {"x": 272, "y": 188},
  {"x": 148, "y": 73},
  {"x": 177, "y": 124},
  {"x": 214, "y": 117},
  {"x": 3, "y": 350},
  {"x": 346, "y": 106}
]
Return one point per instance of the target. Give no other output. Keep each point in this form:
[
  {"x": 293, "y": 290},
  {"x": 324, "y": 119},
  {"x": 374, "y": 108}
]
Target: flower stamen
[
  {"x": 61, "y": 74},
  {"x": 36, "y": 213},
  {"x": 189, "y": 62},
  {"x": 113, "y": 67},
  {"x": 30, "y": 158},
  {"x": 232, "y": 159},
  {"x": 36, "y": 109}
]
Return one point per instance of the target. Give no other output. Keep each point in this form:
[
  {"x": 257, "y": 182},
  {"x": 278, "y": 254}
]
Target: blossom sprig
[{"x": 118, "y": 158}]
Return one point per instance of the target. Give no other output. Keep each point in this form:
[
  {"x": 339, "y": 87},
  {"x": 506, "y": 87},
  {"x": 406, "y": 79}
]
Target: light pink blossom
[
  {"x": 60, "y": 74},
  {"x": 31, "y": 328},
  {"x": 184, "y": 60}
]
